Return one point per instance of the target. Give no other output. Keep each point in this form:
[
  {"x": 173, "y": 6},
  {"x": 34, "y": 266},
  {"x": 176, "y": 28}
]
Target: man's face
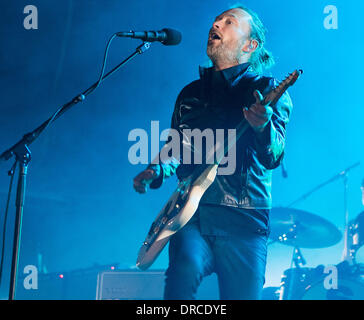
[{"x": 228, "y": 35}]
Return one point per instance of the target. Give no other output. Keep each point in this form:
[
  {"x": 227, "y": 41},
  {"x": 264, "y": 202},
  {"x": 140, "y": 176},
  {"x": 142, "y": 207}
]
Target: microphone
[{"x": 168, "y": 37}]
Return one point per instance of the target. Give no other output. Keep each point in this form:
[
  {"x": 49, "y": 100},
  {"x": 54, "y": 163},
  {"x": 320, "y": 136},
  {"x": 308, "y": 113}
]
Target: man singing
[{"x": 228, "y": 233}]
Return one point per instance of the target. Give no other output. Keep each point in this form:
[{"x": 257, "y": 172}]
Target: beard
[{"x": 224, "y": 53}]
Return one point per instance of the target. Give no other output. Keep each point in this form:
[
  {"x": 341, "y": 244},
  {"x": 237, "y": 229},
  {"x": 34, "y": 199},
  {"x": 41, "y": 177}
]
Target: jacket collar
[{"x": 231, "y": 75}]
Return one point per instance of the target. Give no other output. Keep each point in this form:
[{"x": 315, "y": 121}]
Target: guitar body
[
  {"x": 184, "y": 202},
  {"x": 179, "y": 209}
]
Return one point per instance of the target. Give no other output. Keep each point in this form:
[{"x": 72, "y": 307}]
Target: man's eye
[{"x": 229, "y": 22}]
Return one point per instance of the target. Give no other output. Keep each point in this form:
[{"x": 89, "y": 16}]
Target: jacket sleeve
[
  {"x": 270, "y": 142},
  {"x": 167, "y": 166}
]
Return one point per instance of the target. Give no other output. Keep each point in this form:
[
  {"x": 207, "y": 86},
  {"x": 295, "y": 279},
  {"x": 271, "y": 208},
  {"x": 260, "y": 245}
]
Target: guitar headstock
[
  {"x": 290, "y": 79},
  {"x": 274, "y": 95}
]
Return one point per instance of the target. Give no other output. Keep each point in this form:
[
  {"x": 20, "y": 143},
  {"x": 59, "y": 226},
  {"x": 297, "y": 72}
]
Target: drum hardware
[
  {"x": 297, "y": 276},
  {"x": 298, "y": 228},
  {"x": 302, "y": 229},
  {"x": 350, "y": 285},
  {"x": 342, "y": 174},
  {"x": 298, "y": 258},
  {"x": 294, "y": 281},
  {"x": 356, "y": 239},
  {"x": 311, "y": 283}
]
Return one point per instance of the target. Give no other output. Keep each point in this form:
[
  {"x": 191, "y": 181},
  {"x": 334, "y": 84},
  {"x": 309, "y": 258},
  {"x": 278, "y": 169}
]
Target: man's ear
[
  {"x": 254, "y": 44},
  {"x": 250, "y": 46}
]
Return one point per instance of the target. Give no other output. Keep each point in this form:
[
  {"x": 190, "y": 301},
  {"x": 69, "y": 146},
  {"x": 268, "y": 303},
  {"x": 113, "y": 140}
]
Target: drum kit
[{"x": 301, "y": 229}]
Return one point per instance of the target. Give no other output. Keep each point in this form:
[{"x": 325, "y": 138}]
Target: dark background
[{"x": 80, "y": 209}]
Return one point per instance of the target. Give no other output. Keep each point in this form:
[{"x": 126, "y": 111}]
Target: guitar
[{"x": 184, "y": 201}]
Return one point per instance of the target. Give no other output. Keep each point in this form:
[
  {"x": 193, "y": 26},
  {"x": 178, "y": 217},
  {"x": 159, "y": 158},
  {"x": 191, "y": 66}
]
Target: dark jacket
[{"x": 215, "y": 101}]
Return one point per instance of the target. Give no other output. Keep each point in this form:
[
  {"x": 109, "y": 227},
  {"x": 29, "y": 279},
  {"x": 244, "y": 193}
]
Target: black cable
[
  {"x": 53, "y": 117},
  {"x": 11, "y": 174},
  {"x": 103, "y": 65}
]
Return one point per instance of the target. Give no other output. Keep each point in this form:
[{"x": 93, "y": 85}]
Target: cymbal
[{"x": 302, "y": 229}]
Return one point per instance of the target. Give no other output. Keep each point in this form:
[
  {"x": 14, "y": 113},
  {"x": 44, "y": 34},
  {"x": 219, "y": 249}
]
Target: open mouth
[{"x": 214, "y": 36}]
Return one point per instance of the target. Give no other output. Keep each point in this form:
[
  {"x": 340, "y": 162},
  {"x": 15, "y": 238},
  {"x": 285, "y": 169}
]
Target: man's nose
[{"x": 216, "y": 25}]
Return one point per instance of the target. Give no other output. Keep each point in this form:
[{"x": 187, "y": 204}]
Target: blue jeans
[{"x": 238, "y": 260}]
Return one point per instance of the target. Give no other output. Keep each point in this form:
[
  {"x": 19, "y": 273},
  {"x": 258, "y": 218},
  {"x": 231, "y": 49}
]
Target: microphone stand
[
  {"x": 334, "y": 178},
  {"x": 23, "y": 156}
]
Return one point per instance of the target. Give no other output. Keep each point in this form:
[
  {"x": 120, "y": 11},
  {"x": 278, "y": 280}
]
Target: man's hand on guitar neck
[
  {"x": 259, "y": 114},
  {"x": 144, "y": 179}
]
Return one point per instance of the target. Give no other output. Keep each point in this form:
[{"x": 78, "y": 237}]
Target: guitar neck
[
  {"x": 271, "y": 98},
  {"x": 230, "y": 141}
]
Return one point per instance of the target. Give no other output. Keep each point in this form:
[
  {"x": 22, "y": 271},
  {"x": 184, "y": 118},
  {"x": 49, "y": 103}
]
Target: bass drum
[
  {"x": 295, "y": 280},
  {"x": 347, "y": 289}
]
